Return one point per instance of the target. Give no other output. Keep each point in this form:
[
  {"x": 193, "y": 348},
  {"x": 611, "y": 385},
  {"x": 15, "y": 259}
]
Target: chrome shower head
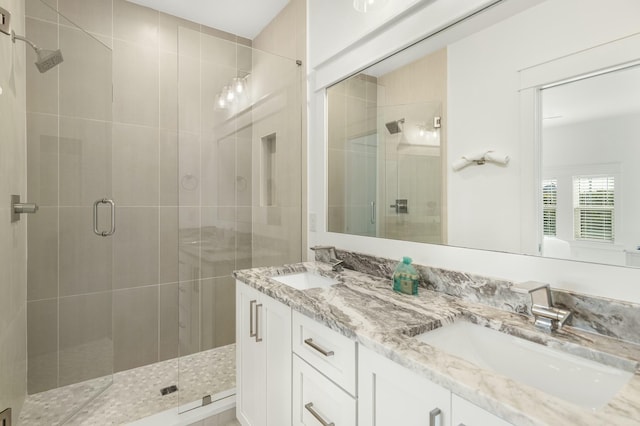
[
  {"x": 47, "y": 59},
  {"x": 394, "y": 126}
]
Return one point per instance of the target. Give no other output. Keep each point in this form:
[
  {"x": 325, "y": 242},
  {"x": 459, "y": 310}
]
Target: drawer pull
[
  {"x": 435, "y": 417},
  {"x": 318, "y": 417},
  {"x": 258, "y": 338},
  {"x": 251, "y": 320},
  {"x": 323, "y": 351}
]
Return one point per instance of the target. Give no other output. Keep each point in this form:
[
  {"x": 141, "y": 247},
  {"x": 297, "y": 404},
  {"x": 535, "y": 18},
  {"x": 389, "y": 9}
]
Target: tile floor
[{"x": 135, "y": 393}]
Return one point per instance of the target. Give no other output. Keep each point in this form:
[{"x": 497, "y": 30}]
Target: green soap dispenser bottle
[{"x": 405, "y": 277}]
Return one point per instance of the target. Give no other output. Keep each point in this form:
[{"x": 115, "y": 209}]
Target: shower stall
[{"x": 163, "y": 155}]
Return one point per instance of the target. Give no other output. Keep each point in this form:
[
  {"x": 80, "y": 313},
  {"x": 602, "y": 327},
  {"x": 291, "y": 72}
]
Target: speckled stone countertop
[{"x": 365, "y": 308}]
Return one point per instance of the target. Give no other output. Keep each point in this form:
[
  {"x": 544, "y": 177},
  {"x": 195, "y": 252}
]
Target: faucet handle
[
  {"x": 540, "y": 292},
  {"x": 528, "y": 286}
]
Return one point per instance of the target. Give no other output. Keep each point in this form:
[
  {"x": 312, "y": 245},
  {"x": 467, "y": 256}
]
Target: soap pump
[{"x": 405, "y": 277}]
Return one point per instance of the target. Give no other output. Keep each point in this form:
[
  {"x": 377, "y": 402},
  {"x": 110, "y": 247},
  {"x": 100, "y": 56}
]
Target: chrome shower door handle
[{"x": 112, "y": 206}]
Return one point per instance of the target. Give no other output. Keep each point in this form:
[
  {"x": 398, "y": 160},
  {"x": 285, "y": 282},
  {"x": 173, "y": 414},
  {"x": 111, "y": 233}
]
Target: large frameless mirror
[{"x": 434, "y": 145}]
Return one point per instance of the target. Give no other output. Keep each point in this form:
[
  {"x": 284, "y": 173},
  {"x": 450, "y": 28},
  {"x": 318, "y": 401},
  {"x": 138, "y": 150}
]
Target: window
[
  {"x": 549, "y": 205},
  {"x": 593, "y": 207}
]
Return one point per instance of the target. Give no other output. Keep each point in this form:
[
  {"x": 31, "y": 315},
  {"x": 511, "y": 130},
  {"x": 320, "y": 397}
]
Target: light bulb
[
  {"x": 421, "y": 132},
  {"x": 238, "y": 85},
  {"x": 221, "y": 102},
  {"x": 229, "y": 94}
]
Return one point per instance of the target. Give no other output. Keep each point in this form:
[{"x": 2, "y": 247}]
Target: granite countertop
[{"x": 366, "y": 309}]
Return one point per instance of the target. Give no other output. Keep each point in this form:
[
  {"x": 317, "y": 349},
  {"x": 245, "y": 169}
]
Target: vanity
[{"x": 342, "y": 348}]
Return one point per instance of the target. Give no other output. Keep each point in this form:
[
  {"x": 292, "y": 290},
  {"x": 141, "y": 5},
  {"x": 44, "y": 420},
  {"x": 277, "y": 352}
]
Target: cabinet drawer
[
  {"x": 317, "y": 401},
  {"x": 333, "y": 354}
]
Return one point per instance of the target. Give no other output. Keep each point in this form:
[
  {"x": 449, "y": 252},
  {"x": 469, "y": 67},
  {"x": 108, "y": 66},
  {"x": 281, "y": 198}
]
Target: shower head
[
  {"x": 47, "y": 59},
  {"x": 394, "y": 126}
]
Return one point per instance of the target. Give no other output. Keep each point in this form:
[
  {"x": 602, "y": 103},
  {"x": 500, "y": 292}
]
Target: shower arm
[{"x": 15, "y": 37}]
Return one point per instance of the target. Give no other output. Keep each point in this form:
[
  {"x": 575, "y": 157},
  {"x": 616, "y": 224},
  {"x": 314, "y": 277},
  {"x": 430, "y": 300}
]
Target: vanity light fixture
[
  {"x": 365, "y": 6},
  {"x": 231, "y": 92}
]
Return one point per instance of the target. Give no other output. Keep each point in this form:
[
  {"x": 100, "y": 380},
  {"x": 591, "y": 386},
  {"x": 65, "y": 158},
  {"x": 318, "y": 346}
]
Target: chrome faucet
[
  {"x": 327, "y": 254},
  {"x": 546, "y": 316}
]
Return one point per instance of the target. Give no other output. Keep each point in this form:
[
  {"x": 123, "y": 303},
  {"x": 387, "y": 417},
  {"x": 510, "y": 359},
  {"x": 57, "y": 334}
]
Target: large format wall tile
[
  {"x": 218, "y": 312},
  {"x": 93, "y": 16},
  {"x": 136, "y": 247},
  {"x": 135, "y": 23},
  {"x": 85, "y": 161},
  {"x": 135, "y": 83},
  {"x": 169, "y": 325},
  {"x": 85, "y": 258},
  {"x": 135, "y": 165},
  {"x": 86, "y": 69},
  {"x": 135, "y": 327},
  {"x": 86, "y": 344},
  {"x": 42, "y": 345},
  {"x": 42, "y": 246},
  {"x": 42, "y": 89},
  {"x": 42, "y": 159}
]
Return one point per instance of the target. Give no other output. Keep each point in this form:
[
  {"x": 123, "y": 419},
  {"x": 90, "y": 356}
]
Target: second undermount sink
[
  {"x": 305, "y": 280},
  {"x": 578, "y": 380}
]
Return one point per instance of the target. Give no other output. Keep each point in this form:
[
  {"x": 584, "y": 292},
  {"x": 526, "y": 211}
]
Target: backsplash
[{"x": 609, "y": 317}]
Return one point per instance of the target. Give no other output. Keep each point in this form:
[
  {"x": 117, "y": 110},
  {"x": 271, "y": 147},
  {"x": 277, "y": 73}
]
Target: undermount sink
[
  {"x": 578, "y": 380},
  {"x": 305, "y": 280}
]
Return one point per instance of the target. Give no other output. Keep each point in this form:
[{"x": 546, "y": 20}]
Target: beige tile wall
[
  {"x": 280, "y": 232},
  {"x": 13, "y": 236},
  {"x": 166, "y": 265}
]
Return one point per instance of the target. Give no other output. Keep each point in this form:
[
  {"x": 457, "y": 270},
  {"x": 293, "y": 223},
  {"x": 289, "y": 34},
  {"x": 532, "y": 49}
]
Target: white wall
[
  {"x": 493, "y": 111},
  {"x": 484, "y": 108}
]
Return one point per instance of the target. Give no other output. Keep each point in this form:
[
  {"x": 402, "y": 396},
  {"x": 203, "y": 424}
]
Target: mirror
[{"x": 436, "y": 144}]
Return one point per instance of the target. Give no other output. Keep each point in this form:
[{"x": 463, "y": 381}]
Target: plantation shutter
[
  {"x": 549, "y": 205},
  {"x": 593, "y": 198}
]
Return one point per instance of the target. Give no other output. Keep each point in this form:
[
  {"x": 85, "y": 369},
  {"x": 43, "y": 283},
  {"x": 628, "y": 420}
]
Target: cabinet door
[
  {"x": 317, "y": 401},
  {"x": 275, "y": 325},
  {"x": 251, "y": 377},
  {"x": 467, "y": 414},
  {"x": 391, "y": 395}
]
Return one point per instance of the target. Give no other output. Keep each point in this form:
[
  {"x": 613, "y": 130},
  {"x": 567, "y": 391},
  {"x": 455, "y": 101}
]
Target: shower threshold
[{"x": 134, "y": 394}]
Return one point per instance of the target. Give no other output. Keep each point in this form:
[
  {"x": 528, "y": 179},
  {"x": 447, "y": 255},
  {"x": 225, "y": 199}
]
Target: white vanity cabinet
[
  {"x": 390, "y": 394},
  {"x": 324, "y": 374},
  {"x": 263, "y": 359},
  {"x": 465, "y": 413}
]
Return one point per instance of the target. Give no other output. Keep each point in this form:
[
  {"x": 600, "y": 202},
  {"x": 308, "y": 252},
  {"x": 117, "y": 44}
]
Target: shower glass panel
[
  {"x": 69, "y": 168},
  {"x": 239, "y": 193}
]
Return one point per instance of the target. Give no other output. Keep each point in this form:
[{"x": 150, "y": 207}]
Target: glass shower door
[
  {"x": 413, "y": 173},
  {"x": 239, "y": 193},
  {"x": 69, "y": 175}
]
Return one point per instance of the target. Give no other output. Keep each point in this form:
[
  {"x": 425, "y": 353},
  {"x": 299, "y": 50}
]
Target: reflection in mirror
[
  {"x": 386, "y": 138},
  {"x": 591, "y": 182},
  {"x": 393, "y": 174}
]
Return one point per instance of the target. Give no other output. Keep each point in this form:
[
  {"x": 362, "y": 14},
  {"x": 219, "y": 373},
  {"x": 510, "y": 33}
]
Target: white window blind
[
  {"x": 549, "y": 205},
  {"x": 593, "y": 201}
]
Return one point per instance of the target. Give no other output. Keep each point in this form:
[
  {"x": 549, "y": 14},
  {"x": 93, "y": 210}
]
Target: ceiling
[{"x": 245, "y": 18}]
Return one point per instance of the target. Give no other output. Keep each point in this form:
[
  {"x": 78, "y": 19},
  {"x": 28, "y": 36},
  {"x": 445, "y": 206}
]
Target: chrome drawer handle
[
  {"x": 318, "y": 417},
  {"x": 323, "y": 351},
  {"x": 435, "y": 417},
  {"x": 258, "y": 338},
  {"x": 252, "y": 333}
]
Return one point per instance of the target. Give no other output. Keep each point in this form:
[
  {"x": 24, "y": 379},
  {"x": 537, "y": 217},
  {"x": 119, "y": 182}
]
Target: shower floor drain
[{"x": 168, "y": 390}]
